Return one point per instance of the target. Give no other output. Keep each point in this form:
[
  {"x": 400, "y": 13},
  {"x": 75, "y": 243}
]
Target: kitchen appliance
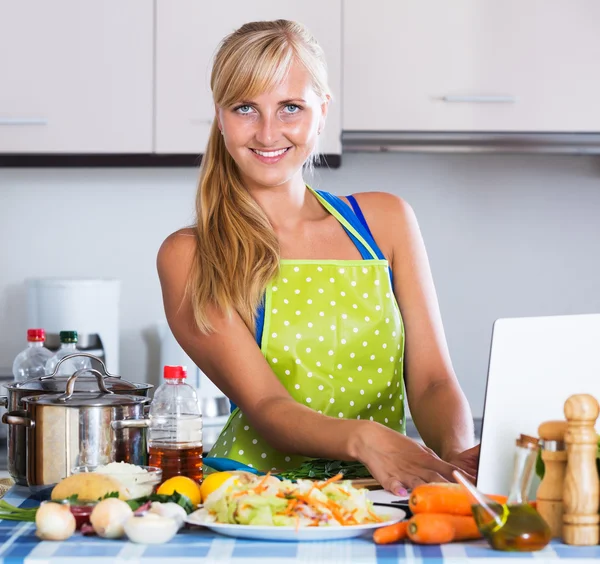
[
  {"x": 52, "y": 384},
  {"x": 88, "y": 306},
  {"x": 79, "y": 429},
  {"x": 214, "y": 406},
  {"x": 536, "y": 363}
]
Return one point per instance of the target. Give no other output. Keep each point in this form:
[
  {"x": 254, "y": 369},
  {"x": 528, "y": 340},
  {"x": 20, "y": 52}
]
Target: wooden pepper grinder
[
  {"x": 550, "y": 491},
  {"x": 581, "y": 490}
]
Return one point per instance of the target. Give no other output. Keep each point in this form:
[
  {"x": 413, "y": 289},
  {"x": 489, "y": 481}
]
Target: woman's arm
[{"x": 437, "y": 404}]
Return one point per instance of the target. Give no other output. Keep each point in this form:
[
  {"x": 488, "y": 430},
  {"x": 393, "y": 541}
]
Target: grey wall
[{"x": 506, "y": 235}]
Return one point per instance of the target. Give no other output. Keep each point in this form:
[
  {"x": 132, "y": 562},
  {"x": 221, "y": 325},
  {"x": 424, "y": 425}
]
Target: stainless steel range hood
[{"x": 471, "y": 142}]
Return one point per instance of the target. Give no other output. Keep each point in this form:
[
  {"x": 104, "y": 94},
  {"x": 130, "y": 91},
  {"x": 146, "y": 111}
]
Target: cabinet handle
[
  {"x": 481, "y": 99},
  {"x": 23, "y": 121}
]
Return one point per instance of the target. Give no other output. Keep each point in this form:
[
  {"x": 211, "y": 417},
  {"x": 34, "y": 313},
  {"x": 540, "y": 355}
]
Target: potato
[{"x": 89, "y": 486}]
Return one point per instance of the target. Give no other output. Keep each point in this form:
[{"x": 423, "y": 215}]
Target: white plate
[
  {"x": 390, "y": 514},
  {"x": 383, "y": 496}
]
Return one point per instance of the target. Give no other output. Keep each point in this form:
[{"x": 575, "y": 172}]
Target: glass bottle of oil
[{"x": 515, "y": 525}]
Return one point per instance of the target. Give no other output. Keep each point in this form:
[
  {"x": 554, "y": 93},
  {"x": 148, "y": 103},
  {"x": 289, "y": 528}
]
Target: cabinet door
[
  {"x": 472, "y": 65},
  {"x": 187, "y": 36},
  {"x": 76, "y": 77}
]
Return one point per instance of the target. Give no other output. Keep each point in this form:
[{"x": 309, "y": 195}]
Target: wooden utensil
[
  {"x": 581, "y": 488},
  {"x": 550, "y": 492}
]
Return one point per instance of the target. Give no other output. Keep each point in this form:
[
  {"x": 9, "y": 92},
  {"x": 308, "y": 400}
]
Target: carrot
[
  {"x": 335, "y": 478},
  {"x": 261, "y": 485},
  {"x": 443, "y": 498},
  {"x": 440, "y": 528},
  {"x": 391, "y": 533}
]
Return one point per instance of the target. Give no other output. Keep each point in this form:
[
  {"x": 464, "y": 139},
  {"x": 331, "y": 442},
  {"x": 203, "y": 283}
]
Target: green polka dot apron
[{"x": 332, "y": 332}]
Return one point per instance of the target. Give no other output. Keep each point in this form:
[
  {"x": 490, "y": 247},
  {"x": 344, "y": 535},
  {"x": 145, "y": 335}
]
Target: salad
[{"x": 305, "y": 503}]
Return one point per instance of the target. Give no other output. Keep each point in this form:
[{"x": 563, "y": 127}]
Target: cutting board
[{"x": 369, "y": 483}]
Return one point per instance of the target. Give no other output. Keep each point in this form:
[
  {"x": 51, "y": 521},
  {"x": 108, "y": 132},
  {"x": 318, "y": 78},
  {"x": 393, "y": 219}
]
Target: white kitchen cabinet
[
  {"x": 187, "y": 37},
  {"x": 76, "y": 77},
  {"x": 471, "y": 65}
]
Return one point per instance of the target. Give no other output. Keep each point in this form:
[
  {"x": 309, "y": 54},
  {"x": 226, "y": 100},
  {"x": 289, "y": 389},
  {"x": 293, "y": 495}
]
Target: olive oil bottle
[{"x": 515, "y": 525}]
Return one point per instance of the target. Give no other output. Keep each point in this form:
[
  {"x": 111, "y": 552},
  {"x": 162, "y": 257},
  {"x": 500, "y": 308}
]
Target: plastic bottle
[
  {"x": 31, "y": 362},
  {"x": 68, "y": 345},
  {"x": 175, "y": 434}
]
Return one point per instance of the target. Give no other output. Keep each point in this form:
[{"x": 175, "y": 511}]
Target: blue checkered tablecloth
[{"x": 19, "y": 544}]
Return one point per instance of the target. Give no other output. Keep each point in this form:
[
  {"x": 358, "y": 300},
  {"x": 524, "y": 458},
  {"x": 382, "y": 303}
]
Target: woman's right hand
[{"x": 397, "y": 462}]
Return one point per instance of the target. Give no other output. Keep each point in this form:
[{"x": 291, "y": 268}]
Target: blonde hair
[{"x": 237, "y": 249}]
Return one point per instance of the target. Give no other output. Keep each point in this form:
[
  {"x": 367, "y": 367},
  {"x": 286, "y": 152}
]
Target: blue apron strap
[
  {"x": 362, "y": 219},
  {"x": 346, "y": 212},
  {"x": 359, "y": 213}
]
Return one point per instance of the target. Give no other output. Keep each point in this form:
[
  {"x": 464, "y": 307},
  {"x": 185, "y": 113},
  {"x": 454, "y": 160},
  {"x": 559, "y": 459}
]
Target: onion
[
  {"x": 170, "y": 510},
  {"x": 109, "y": 516},
  {"x": 151, "y": 529},
  {"x": 54, "y": 521}
]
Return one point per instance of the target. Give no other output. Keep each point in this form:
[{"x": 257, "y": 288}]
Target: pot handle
[
  {"x": 4, "y": 401},
  {"x": 70, "y": 388},
  {"x": 129, "y": 423},
  {"x": 75, "y": 355},
  {"x": 15, "y": 418}
]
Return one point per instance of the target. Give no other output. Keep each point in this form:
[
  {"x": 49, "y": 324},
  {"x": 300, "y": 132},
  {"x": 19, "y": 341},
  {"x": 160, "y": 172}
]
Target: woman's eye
[
  {"x": 292, "y": 109},
  {"x": 244, "y": 109}
]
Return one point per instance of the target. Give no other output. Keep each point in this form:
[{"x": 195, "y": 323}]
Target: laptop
[{"x": 536, "y": 363}]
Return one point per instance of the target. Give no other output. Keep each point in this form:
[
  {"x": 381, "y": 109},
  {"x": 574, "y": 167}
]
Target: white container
[{"x": 88, "y": 306}]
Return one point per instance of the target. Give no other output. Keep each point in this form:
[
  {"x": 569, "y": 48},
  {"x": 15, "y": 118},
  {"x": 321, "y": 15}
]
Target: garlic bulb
[
  {"x": 151, "y": 529},
  {"x": 54, "y": 521},
  {"x": 109, "y": 516},
  {"x": 170, "y": 510}
]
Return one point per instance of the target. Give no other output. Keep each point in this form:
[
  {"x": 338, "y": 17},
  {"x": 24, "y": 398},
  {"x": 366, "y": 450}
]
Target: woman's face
[{"x": 272, "y": 136}]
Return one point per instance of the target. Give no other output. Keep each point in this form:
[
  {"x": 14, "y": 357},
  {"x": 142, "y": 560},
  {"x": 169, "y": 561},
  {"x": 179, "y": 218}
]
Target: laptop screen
[{"x": 536, "y": 363}]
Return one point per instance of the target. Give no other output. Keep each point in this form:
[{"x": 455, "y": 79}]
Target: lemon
[
  {"x": 213, "y": 482},
  {"x": 183, "y": 485}
]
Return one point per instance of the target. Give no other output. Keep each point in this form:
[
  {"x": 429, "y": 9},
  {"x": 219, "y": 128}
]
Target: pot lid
[
  {"x": 84, "y": 383},
  {"x": 86, "y": 399}
]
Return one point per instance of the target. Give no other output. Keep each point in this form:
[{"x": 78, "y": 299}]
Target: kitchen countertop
[{"x": 18, "y": 544}]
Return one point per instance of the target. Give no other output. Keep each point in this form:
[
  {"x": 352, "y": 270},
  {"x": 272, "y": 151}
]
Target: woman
[{"x": 284, "y": 297}]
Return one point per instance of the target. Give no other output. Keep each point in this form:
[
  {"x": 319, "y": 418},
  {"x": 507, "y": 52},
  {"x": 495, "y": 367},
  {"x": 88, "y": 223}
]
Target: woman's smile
[{"x": 270, "y": 157}]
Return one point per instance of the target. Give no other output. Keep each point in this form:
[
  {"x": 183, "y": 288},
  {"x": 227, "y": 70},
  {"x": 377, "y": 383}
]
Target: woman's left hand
[{"x": 467, "y": 460}]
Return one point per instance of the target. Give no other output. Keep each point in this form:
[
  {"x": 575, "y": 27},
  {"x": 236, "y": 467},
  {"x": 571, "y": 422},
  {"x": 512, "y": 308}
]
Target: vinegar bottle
[
  {"x": 175, "y": 434},
  {"x": 516, "y": 525}
]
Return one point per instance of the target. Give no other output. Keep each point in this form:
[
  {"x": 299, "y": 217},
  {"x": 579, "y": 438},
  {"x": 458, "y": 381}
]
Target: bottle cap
[
  {"x": 36, "y": 335},
  {"x": 174, "y": 372},
  {"x": 527, "y": 441},
  {"x": 68, "y": 336}
]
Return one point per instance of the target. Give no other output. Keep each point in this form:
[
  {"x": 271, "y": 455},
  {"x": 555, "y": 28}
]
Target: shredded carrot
[
  {"x": 376, "y": 517},
  {"x": 291, "y": 506},
  {"x": 335, "y": 478}
]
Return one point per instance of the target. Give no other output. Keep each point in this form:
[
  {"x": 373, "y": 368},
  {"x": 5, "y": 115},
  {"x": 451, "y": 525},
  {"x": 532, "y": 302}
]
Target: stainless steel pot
[
  {"x": 79, "y": 429},
  {"x": 86, "y": 381}
]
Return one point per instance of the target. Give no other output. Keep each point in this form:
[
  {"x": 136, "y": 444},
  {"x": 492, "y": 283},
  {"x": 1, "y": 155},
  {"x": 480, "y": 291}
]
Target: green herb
[
  {"x": 322, "y": 469},
  {"x": 111, "y": 494},
  {"x": 180, "y": 499},
  {"x": 12, "y": 513},
  {"x": 72, "y": 499}
]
